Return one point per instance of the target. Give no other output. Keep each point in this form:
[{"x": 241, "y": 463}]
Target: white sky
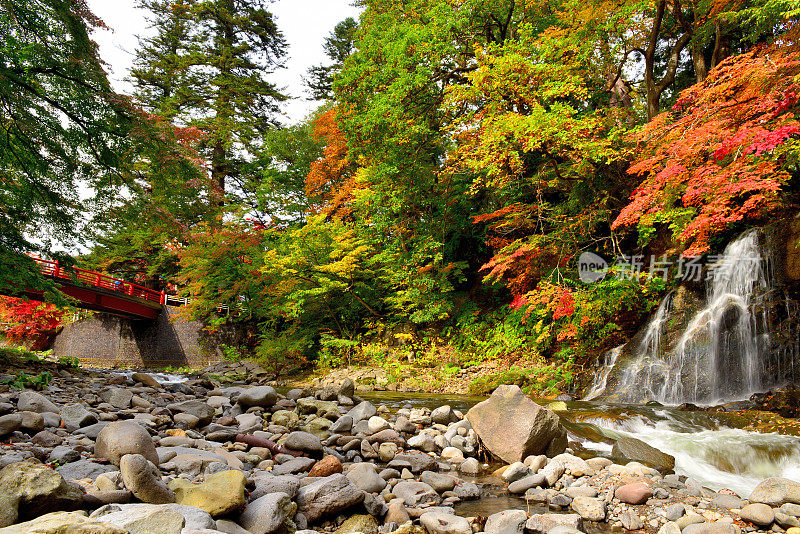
[{"x": 304, "y": 23}]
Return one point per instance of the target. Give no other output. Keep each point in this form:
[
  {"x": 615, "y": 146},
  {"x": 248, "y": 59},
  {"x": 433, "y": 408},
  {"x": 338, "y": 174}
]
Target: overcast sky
[{"x": 304, "y": 23}]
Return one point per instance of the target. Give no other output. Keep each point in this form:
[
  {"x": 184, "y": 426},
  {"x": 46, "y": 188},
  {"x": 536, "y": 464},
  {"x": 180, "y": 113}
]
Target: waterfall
[
  {"x": 723, "y": 352},
  {"x": 607, "y": 360}
]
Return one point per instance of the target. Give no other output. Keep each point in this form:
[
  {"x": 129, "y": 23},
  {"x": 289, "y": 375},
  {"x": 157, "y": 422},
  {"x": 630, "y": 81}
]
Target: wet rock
[
  {"x": 37, "y": 489},
  {"x": 776, "y": 491},
  {"x": 507, "y": 522},
  {"x": 444, "y": 523},
  {"x": 220, "y": 494},
  {"x": 515, "y": 471},
  {"x": 142, "y": 478},
  {"x": 513, "y": 427},
  {"x": 416, "y": 494},
  {"x": 631, "y": 449},
  {"x": 329, "y": 465},
  {"x": 758, "y": 514},
  {"x": 64, "y": 523},
  {"x": 589, "y": 508},
  {"x": 30, "y": 401},
  {"x": 268, "y": 514},
  {"x": 119, "y": 438},
  {"x": 363, "y": 524},
  {"x": 636, "y": 493},
  {"x": 327, "y": 496},
  {"x": 264, "y": 396}
]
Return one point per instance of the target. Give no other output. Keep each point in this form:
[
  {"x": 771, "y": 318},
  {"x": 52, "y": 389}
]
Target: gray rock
[
  {"x": 343, "y": 424},
  {"x": 63, "y": 455},
  {"x": 195, "y": 407},
  {"x": 723, "y": 500},
  {"x": 785, "y": 520},
  {"x": 45, "y": 438},
  {"x": 147, "y": 521},
  {"x": 470, "y": 466},
  {"x": 76, "y": 416},
  {"x": 404, "y": 425},
  {"x": 791, "y": 509},
  {"x": 264, "y": 396},
  {"x": 670, "y": 527},
  {"x": 467, "y": 491},
  {"x": 673, "y": 512},
  {"x": 418, "y": 461},
  {"x": 416, "y": 494},
  {"x": 362, "y": 411},
  {"x": 589, "y": 508},
  {"x": 443, "y": 415},
  {"x": 124, "y": 437},
  {"x": 117, "y": 397},
  {"x": 776, "y": 492},
  {"x": 507, "y": 522},
  {"x": 630, "y": 520},
  {"x": 267, "y": 483},
  {"x": 229, "y": 527},
  {"x": 758, "y": 514},
  {"x": 347, "y": 388},
  {"x": 513, "y": 427},
  {"x": 327, "y": 496},
  {"x": 542, "y": 523},
  {"x": 30, "y": 401},
  {"x": 303, "y": 441},
  {"x": 195, "y": 518},
  {"x": 10, "y": 423},
  {"x": 439, "y": 482},
  {"x": 92, "y": 431},
  {"x": 552, "y": 472},
  {"x": 365, "y": 477},
  {"x": 269, "y": 514},
  {"x": 142, "y": 478},
  {"x": 83, "y": 469},
  {"x": 297, "y": 465},
  {"x": 633, "y": 450},
  {"x": 444, "y": 523}
]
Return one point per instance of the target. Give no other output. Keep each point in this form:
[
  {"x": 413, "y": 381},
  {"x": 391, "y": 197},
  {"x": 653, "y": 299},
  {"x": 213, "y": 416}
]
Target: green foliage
[
  {"x": 22, "y": 381},
  {"x": 70, "y": 362}
]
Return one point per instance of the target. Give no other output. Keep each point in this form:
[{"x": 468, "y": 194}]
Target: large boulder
[
  {"x": 512, "y": 427},
  {"x": 328, "y": 496},
  {"x": 263, "y": 396},
  {"x": 776, "y": 491},
  {"x": 633, "y": 450},
  {"x": 195, "y": 518},
  {"x": 30, "y": 401},
  {"x": 37, "y": 489},
  {"x": 124, "y": 437},
  {"x": 76, "y": 416}
]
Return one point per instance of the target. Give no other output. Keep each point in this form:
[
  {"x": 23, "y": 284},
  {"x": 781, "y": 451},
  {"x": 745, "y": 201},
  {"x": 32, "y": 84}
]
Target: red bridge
[{"x": 100, "y": 292}]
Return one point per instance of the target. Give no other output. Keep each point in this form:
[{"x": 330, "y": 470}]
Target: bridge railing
[{"x": 91, "y": 278}]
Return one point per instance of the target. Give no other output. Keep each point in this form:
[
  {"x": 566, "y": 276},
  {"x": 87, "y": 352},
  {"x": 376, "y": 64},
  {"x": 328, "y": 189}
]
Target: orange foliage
[{"x": 331, "y": 179}]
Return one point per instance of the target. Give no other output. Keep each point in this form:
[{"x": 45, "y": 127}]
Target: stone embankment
[{"x": 113, "y": 455}]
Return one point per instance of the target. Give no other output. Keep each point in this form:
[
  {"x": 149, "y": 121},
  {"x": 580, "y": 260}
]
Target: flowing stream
[{"x": 708, "y": 446}]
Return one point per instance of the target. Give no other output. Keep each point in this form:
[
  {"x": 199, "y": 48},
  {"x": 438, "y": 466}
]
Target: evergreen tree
[{"x": 339, "y": 44}]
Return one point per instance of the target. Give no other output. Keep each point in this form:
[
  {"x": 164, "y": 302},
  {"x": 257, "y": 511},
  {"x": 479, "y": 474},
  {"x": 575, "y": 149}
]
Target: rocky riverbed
[{"x": 99, "y": 453}]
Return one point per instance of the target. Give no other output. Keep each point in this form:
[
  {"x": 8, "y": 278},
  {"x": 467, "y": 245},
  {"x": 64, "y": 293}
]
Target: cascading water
[
  {"x": 608, "y": 360},
  {"x": 722, "y": 354}
]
